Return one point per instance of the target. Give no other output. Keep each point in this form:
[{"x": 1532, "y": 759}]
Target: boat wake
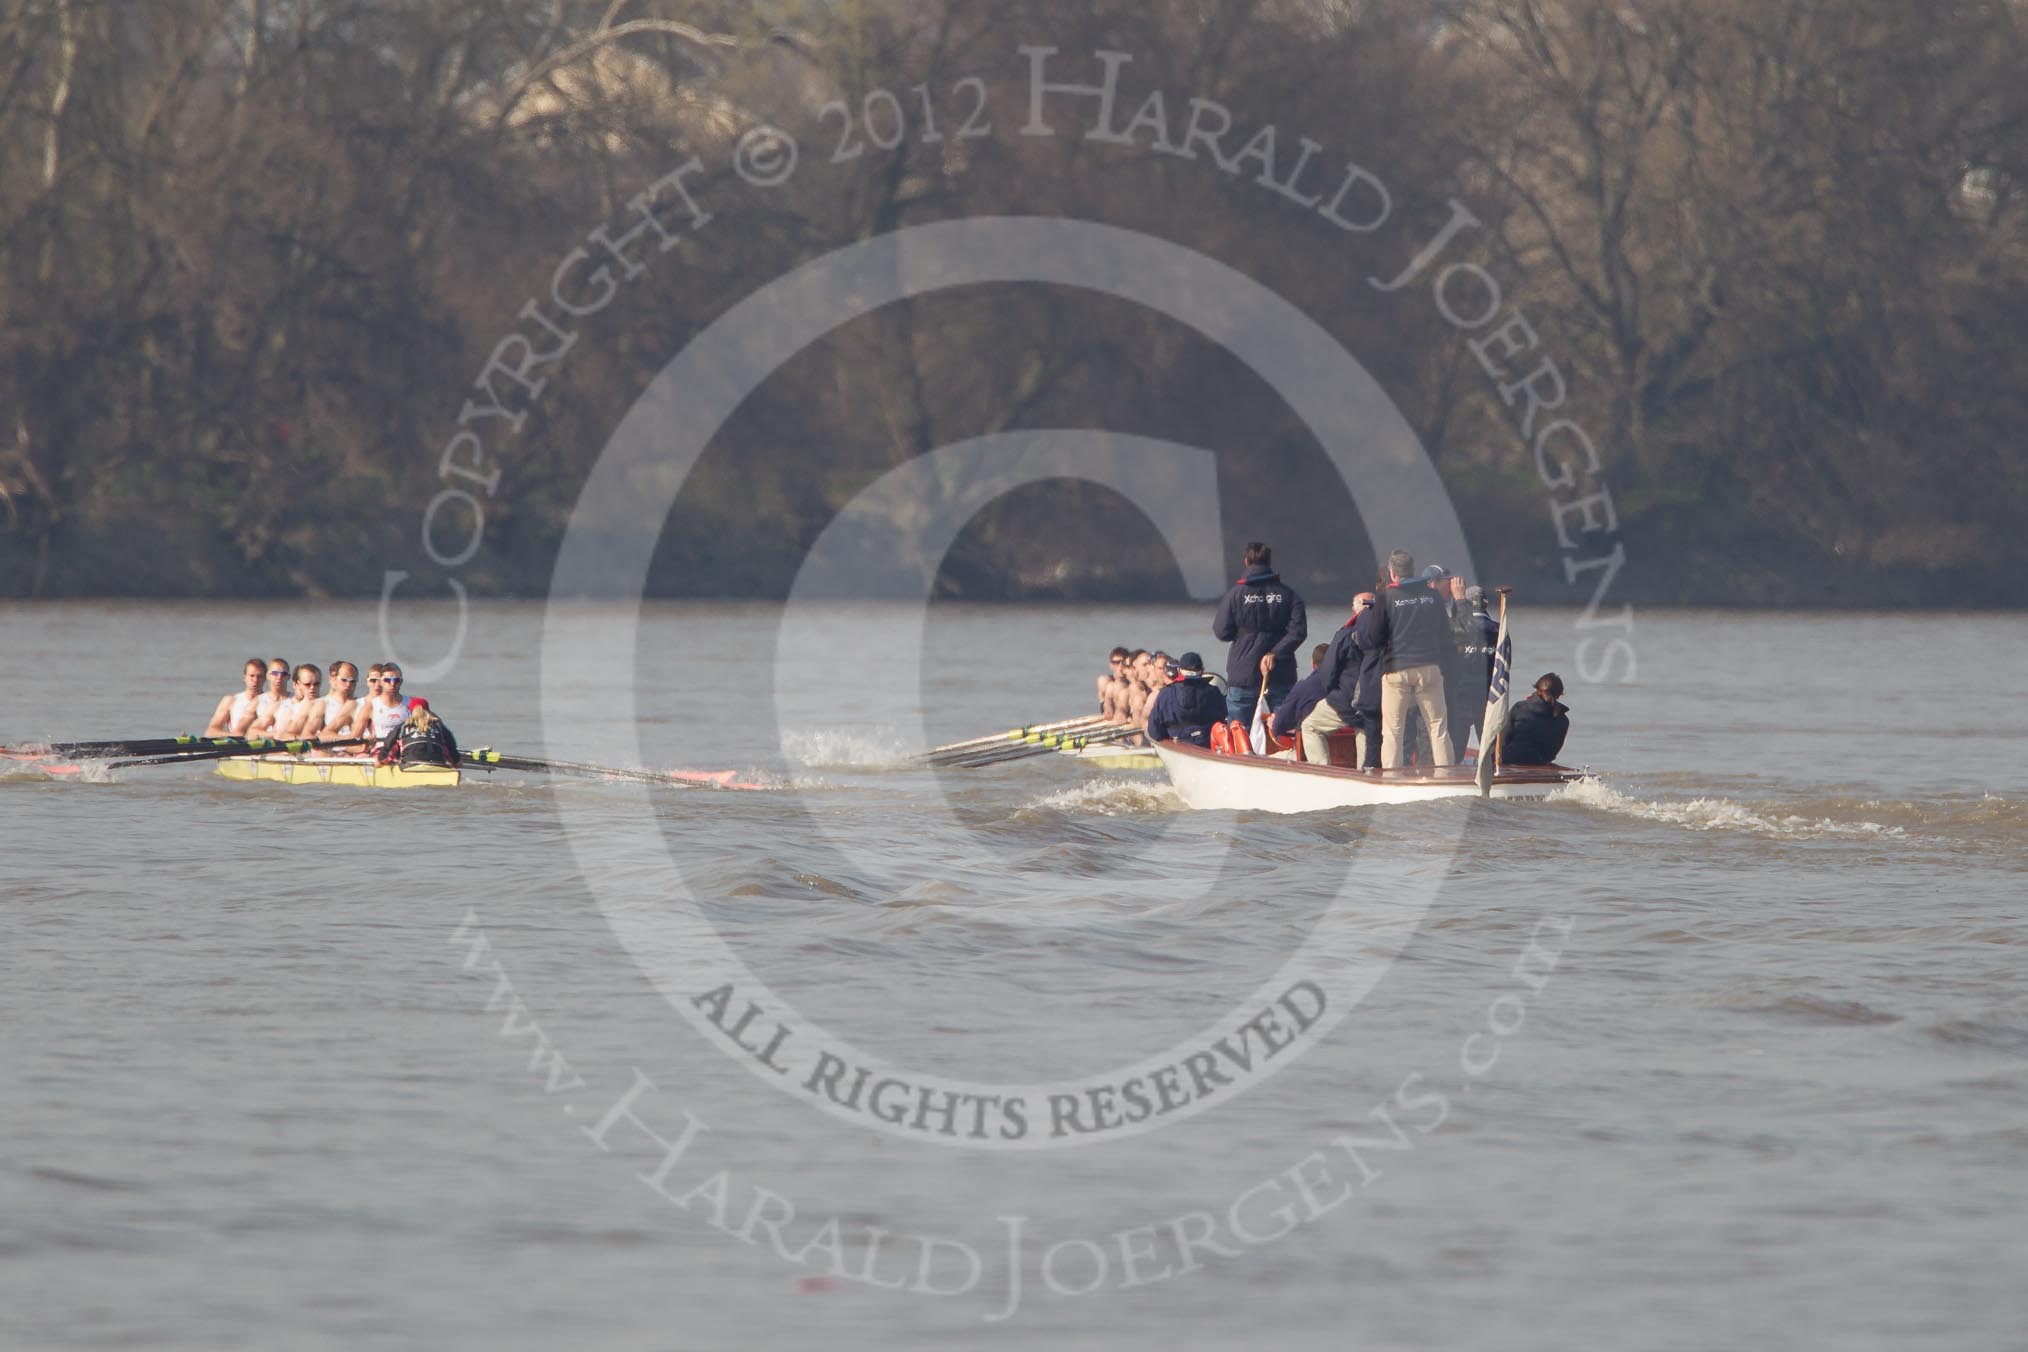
[
  {"x": 1110, "y": 797},
  {"x": 1723, "y": 814},
  {"x": 846, "y": 749}
]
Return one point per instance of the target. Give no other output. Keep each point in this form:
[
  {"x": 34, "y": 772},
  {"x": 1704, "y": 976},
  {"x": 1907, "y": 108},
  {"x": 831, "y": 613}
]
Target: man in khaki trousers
[
  {"x": 1345, "y": 695},
  {"x": 1416, "y": 624}
]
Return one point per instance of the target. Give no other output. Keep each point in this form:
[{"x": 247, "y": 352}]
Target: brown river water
[{"x": 1725, "y": 1048}]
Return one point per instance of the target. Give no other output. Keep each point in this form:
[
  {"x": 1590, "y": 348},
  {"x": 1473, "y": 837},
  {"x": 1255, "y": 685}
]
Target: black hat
[{"x": 1190, "y": 662}]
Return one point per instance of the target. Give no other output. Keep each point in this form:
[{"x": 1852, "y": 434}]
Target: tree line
[{"x": 253, "y": 253}]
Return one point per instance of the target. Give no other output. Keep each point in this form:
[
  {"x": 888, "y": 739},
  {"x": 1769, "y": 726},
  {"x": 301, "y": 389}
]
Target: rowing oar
[
  {"x": 486, "y": 758},
  {"x": 1038, "y": 746},
  {"x": 1014, "y": 735},
  {"x": 243, "y": 747},
  {"x": 146, "y": 746},
  {"x": 1048, "y": 746},
  {"x": 1014, "y": 740}
]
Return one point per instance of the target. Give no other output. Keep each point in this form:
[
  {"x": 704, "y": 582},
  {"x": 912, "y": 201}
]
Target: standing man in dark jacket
[
  {"x": 1537, "y": 725},
  {"x": 1187, "y": 709},
  {"x": 1415, "y": 738},
  {"x": 1351, "y": 680},
  {"x": 1478, "y": 635},
  {"x": 1415, "y": 628},
  {"x": 1259, "y": 616}
]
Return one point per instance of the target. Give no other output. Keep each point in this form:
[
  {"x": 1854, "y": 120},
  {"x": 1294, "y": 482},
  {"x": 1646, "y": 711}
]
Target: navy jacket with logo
[
  {"x": 1415, "y": 627},
  {"x": 1185, "y": 711},
  {"x": 1351, "y": 670},
  {"x": 1478, "y": 639},
  {"x": 1260, "y": 615}
]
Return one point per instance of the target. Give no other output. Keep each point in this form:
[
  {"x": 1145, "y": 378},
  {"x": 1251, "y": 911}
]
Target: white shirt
[{"x": 386, "y": 720}]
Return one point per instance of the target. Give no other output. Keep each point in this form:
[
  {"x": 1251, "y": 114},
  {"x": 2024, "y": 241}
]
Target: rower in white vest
[
  {"x": 274, "y": 689},
  {"x": 332, "y": 718},
  {"x": 384, "y": 710},
  {"x": 288, "y": 717},
  {"x": 236, "y": 710}
]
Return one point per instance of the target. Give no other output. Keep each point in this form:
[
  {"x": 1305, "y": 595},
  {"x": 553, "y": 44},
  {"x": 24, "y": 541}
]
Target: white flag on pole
[
  {"x": 1496, "y": 704},
  {"x": 1258, "y": 734}
]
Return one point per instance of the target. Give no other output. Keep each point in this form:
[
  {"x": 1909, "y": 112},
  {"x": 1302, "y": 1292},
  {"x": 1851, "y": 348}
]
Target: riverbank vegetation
[{"x": 253, "y": 254}]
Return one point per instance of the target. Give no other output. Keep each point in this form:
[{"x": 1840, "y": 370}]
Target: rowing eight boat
[
  {"x": 361, "y": 772},
  {"x": 1110, "y": 757},
  {"x": 357, "y": 772}
]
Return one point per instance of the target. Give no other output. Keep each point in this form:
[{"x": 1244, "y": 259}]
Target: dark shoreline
[{"x": 1539, "y": 600}]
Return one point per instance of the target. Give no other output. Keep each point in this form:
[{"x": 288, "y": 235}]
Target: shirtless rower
[
  {"x": 1158, "y": 673},
  {"x": 1133, "y": 698},
  {"x": 287, "y": 718},
  {"x": 332, "y": 717},
  {"x": 1118, "y": 706},
  {"x": 383, "y": 711},
  {"x": 270, "y": 694},
  {"x": 1159, "y": 678},
  {"x": 1115, "y": 673},
  {"x": 231, "y": 707},
  {"x": 1150, "y": 675},
  {"x": 274, "y": 689}
]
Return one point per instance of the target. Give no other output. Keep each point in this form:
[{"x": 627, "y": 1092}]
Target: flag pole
[
  {"x": 1490, "y": 751},
  {"x": 1500, "y": 737}
]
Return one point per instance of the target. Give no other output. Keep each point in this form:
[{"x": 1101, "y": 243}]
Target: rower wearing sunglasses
[
  {"x": 287, "y": 717},
  {"x": 274, "y": 689},
  {"x": 331, "y": 718},
  {"x": 384, "y": 709},
  {"x": 1114, "y": 678}
]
